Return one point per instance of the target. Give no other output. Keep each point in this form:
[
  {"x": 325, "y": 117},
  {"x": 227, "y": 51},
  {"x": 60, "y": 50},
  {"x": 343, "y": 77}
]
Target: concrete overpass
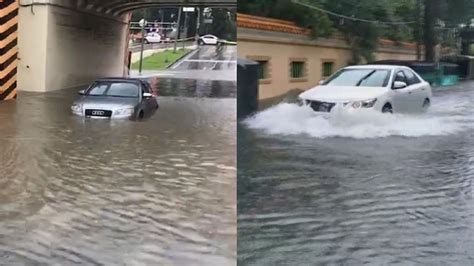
[{"x": 53, "y": 44}]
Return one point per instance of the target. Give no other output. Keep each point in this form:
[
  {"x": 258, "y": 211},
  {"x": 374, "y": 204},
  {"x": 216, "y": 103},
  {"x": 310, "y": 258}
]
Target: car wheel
[
  {"x": 387, "y": 108},
  {"x": 200, "y": 42},
  {"x": 426, "y": 104}
]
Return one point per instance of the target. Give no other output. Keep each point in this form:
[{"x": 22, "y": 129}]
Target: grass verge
[{"x": 161, "y": 60}]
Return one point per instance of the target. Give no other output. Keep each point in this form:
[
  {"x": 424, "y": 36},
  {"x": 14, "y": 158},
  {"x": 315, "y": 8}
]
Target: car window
[
  {"x": 98, "y": 89},
  {"x": 360, "y": 77},
  {"x": 411, "y": 77},
  {"x": 400, "y": 77},
  {"x": 146, "y": 87},
  {"x": 117, "y": 89},
  {"x": 123, "y": 90}
]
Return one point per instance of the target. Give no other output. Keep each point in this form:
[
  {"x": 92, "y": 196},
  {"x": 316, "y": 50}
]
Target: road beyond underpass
[{"x": 206, "y": 62}]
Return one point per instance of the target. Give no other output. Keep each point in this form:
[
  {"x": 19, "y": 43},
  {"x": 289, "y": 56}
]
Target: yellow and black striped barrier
[{"x": 8, "y": 48}]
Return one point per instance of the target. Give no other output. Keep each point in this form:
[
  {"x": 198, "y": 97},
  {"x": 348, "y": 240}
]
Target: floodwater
[
  {"x": 100, "y": 192},
  {"x": 352, "y": 190}
]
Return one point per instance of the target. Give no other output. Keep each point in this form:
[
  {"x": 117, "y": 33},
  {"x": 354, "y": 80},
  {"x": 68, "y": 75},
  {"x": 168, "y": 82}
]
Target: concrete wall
[
  {"x": 63, "y": 48},
  {"x": 32, "y": 39},
  {"x": 280, "y": 49}
]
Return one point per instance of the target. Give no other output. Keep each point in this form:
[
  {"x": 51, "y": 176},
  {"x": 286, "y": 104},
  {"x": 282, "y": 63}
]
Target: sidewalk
[{"x": 146, "y": 53}]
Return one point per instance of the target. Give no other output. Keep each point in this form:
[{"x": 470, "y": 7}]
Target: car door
[
  {"x": 149, "y": 103},
  {"x": 418, "y": 90},
  {"x": 401, "y": 97},
  {"x": 213, "y": 40}
]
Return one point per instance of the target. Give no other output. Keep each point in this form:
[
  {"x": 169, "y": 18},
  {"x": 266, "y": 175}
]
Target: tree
[{"x": 405, "y": 20}]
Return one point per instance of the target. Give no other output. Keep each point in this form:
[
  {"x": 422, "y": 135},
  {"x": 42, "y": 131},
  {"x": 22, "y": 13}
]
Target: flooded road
[
  {"x": 359, "y": 190},
  {"x": 99, "y": 192}
]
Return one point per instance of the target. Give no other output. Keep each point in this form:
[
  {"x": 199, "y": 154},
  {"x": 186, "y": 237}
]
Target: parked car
[
  {"x": 385, "y": 88},
  {"x": 153, "y": 37},
  {"x": 208, "y": 40},
  {"x": 136, "y": 37},
  {"x": 116, "y": 98}
]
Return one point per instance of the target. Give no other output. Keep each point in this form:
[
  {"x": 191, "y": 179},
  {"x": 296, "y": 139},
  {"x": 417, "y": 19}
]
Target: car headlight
[
  {"x": 125, "y": 111},
  {"x": 362, "y": 104},
  {"x": 300, "y": 101},
  {"x": 76, "y": 108}
]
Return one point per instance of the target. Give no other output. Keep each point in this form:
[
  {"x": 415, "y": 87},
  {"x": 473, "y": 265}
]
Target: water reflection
[
  {"x": 99, "y": 192},
  {"x": 193, "y": 88}
]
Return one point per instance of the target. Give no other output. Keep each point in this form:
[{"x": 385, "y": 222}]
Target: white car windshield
[
  {"x": 360, "y": 78},
  {"x": 114, "y": 89}
]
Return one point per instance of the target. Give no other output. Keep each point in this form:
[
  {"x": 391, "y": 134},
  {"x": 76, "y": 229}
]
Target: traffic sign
[
  {"x": 188, "y": 9},
  {"x": 143, "y": 22}
]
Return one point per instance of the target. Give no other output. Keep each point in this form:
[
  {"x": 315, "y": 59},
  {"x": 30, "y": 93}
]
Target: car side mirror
[
  {"x": 399, "y": 85},
  {"x": 82, "y": 92},
  {"x": 321, "y": 82},
  {"x": 147, "y": 95}
]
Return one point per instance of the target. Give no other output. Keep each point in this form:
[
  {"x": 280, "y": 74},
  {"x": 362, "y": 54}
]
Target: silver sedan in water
[{"x": 116, "y": 98}]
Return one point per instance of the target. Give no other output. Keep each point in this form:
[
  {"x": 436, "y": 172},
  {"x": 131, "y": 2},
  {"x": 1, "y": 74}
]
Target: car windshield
[
  {"x": 114, "y": 89},
  {"x": 360, "y": 77}
]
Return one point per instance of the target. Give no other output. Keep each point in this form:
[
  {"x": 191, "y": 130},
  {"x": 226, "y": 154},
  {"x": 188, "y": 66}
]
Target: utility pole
[
  {"x": 429, "y": 32},
  {"x": 186, "y": 27},
  {"x": 418, "y": 29},
  {"x": 179, "y": 31},
  {"x": 143, "y": 24},
  {"x": 198, "y": 22}
]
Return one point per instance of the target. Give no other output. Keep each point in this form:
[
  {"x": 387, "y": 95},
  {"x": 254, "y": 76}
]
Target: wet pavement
[
  {"x": 373, "y": 189},
  {"x": 99, "y": 192},
  {"x": 209, "y": 58}
]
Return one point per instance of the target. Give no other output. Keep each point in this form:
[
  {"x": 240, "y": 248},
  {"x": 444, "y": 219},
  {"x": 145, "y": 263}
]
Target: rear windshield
[
  {"x": 360, "y": 77},
  {"x": 114, "y": 89}
]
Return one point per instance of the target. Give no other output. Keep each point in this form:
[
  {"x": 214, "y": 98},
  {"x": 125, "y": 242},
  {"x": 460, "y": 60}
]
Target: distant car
[
  {"x": 208, "y": 40},
  {"x": 116, "y": 98},
  {"x": 385, "y": 88},
  {"x": 136, "y": 37},
  {"x": 153, "y": 37}
]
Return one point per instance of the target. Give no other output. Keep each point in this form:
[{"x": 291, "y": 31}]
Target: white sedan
[
  {"x": 153, "y": 37},
  {"x": 388, "y": 89},
  {"x": 208, "y": 40}
]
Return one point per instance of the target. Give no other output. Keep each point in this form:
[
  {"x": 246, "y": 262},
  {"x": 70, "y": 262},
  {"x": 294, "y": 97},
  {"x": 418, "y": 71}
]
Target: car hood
[
  {"x": 342, "y": 93},
  {"x": 99, "y": 102}
]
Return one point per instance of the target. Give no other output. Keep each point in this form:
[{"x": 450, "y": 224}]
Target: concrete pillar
[
  {"x": 8, "y": 48},
  {"x": 63, "y": 48}
]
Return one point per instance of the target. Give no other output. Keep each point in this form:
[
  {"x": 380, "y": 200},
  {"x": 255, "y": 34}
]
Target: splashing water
[{"x": 449, "y": 117}]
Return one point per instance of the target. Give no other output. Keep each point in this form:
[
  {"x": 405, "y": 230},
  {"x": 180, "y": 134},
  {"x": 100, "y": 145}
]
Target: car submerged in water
[
  {"x": 116, "y": 98},
  {"x": 384, "y": 88}
]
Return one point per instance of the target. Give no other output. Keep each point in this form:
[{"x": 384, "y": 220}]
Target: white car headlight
[
  {"x": 76, "y": 108},
  {"x": 125, "y": 111},
  {"x": 300, "y": 101},
  {"x": 362, "y": 104}
]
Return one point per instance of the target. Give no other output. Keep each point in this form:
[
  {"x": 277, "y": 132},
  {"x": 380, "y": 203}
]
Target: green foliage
[
  {"x": 160, "y": 60},
  {"x": 363, "y": 36}
]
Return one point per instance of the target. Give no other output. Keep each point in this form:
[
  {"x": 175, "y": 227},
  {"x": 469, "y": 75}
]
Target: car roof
[{"x": 390, "y": 67}]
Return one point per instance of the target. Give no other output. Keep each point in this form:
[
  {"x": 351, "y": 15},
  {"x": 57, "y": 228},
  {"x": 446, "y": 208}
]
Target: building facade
[{"x": 290, "y": 59}]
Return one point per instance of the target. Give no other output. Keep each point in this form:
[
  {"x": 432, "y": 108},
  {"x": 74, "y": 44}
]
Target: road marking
[{"x": 185, "y": 59}]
